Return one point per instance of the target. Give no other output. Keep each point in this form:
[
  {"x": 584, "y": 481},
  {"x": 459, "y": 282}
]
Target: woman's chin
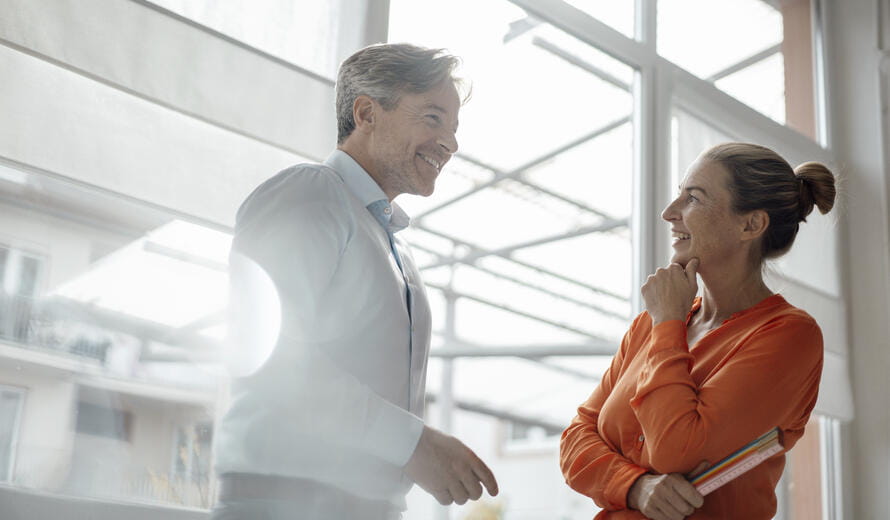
[{"x": 680, "y": 259}]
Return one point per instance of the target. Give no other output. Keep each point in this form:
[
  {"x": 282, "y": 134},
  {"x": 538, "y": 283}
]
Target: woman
[{"x": 697, "y": 378}]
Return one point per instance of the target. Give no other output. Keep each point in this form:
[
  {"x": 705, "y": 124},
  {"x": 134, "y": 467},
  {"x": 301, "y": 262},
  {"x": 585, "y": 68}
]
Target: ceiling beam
[
  {"x": 550, "y": 427},
  {"x": 580, "y": 63},
  {"x": 515, "y": 174},
  {"x": 745, "y": 63},
  {"x": 527, "y": 265},
  {"x": 478, "y": 299},
  {"x": 505, "y": 252},
  {"x": 524, "y": 283}
]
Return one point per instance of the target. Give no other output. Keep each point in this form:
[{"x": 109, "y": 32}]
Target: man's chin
[{"x": 426, "y": 191}]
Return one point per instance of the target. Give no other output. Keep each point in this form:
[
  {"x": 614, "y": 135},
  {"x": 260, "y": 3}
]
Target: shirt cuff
[
  {"x": 667, "y": 335},
  {"x": 394, "y": 434},
  {"x": 621, "y": 484}
]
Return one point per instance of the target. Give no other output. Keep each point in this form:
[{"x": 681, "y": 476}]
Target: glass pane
[
  {"x": 299, "y": 31},
  {"x": 758, "y": 52},
  {"x": 529, "y": 231},
  {"x": 619, "y": 15},
  {"x": 803, "y": 475},
  {"x": 113, "y": 349}
]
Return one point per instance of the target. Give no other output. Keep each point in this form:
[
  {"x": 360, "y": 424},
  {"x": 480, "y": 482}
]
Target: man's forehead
[{"x": 438, "y": 100}]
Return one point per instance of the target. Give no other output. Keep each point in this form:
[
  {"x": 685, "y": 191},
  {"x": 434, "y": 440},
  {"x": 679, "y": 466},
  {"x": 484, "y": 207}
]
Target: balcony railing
[{"x": 38, "y": 323}]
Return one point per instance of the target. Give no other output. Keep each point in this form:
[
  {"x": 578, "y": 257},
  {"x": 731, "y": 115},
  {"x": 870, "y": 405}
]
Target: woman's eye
[
  {"x": 434, "y": 118},
  {"x": 691, "y": 198}
]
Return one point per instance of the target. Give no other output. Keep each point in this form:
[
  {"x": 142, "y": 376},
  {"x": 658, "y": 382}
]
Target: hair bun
[{"x": 816, "y": 188}]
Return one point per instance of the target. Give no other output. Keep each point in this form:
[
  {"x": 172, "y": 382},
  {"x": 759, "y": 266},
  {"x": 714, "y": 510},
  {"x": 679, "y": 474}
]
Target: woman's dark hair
[{"x": 761, "y": 179}]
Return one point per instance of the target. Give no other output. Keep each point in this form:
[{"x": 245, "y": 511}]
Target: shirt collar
[{"x": 367, "y": 191}]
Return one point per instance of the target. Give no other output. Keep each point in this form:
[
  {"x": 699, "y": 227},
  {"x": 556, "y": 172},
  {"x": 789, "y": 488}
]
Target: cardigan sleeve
[
  {"x": 590, "y": 465},
  {"x": 770, "y": 379}
]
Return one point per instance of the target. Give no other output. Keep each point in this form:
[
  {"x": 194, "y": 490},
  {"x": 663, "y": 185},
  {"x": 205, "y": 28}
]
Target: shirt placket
[{"x": 382, "y": 211}]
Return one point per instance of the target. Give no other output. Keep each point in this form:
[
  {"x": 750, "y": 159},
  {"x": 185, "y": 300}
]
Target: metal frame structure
[{"x": 659, "y": 87}]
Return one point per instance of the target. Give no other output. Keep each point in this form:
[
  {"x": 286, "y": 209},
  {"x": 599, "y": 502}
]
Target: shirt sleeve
[
  {"x": 590, "y": 465},
  {"x": 770, "y": 379},
  {"x": 296, "y": 232}
]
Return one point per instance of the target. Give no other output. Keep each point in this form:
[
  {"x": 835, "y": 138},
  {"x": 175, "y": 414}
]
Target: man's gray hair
[{"x": 384, "y": 72}]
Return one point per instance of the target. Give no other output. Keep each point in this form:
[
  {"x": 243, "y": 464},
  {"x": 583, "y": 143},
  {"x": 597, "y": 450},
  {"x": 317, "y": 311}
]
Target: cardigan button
[{"x": 642, "y": 437}]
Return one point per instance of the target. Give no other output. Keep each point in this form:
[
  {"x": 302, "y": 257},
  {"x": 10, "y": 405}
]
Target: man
[{"x": 329, "y": 426}]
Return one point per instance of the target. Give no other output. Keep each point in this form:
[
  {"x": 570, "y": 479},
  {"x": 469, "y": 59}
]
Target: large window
[
  {"x": 527, "y": 242},
  {"x": 119, "y": 349},
  {"x": 583, "y": 117},
  {"x": 303, "y": 32},
  {"x": 760, "y": 52},
  {"x": 516, "y": 242}
]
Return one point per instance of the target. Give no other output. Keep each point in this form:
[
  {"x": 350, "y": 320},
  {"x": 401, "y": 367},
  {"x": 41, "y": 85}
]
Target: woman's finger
[{"x": 692, "y": 269}]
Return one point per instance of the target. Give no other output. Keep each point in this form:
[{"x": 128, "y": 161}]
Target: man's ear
[
  {"x": 364, "y": 112},
  {"x": 756, "y": 224}
]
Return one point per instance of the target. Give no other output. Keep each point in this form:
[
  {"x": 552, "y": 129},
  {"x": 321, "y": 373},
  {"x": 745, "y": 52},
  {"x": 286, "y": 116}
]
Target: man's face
[{"x": 413, "y": 141}]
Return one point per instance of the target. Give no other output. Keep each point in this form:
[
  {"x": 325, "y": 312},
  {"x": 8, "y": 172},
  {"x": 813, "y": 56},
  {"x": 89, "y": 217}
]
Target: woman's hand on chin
[{"x": 668, "y": 294}]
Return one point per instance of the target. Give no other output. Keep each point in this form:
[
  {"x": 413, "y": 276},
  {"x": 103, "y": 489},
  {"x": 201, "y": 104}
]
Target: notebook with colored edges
[{"x": 746, "y": 458}]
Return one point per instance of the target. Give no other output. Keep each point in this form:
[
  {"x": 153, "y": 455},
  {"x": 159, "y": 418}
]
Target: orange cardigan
[{"x": 663, "y": 407}]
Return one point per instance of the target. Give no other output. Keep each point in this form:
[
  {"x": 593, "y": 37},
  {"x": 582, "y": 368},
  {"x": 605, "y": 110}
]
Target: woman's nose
[{"x": 669, "y": 212}]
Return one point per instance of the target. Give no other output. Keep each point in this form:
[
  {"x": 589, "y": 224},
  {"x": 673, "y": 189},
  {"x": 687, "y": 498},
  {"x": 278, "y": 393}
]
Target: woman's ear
[{"x": 756, "y": 224}]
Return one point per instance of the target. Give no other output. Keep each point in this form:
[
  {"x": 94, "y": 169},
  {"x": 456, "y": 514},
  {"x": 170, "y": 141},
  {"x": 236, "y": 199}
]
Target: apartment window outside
[
  {"x": 104, "y": 421},
  {"x": 19, "y": 282},
  {"x": 192, "y": 460},
  {"x": 11, "y": 403}
]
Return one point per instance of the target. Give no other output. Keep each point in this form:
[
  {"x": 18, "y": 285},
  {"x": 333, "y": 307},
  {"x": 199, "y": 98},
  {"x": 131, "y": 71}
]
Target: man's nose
[{"x": 449, "y": 142}]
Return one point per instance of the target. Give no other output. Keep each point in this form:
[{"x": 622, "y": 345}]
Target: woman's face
[{"x": 703, "y": 223}]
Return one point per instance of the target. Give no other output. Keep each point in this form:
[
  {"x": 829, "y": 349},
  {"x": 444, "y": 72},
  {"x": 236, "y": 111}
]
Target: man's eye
[
  {"x": 434, "y": 118},
  {"x": 691, "y": 198}
]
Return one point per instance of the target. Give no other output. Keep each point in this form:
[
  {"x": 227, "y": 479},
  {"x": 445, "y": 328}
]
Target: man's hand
[
  {"x": 448, "y": 470},
  {"x": 665, "y": 497}
]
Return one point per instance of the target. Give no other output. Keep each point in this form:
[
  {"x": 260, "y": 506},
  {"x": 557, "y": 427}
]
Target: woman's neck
[{"x": 727, "y": 295}]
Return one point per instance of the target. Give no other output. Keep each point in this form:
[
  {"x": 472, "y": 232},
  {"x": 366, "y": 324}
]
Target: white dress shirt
[{"x": 341, "y": 396}]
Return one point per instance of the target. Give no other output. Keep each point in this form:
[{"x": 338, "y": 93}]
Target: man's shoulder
[
  {"x": 304, "y": 185},
  {"x": 307, "y": 180}
]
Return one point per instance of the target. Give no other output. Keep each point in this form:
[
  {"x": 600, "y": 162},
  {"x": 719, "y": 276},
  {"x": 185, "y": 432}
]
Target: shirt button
[
  {"x": 641, "y": 438},
  {"x": 387, "y": 210}
]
